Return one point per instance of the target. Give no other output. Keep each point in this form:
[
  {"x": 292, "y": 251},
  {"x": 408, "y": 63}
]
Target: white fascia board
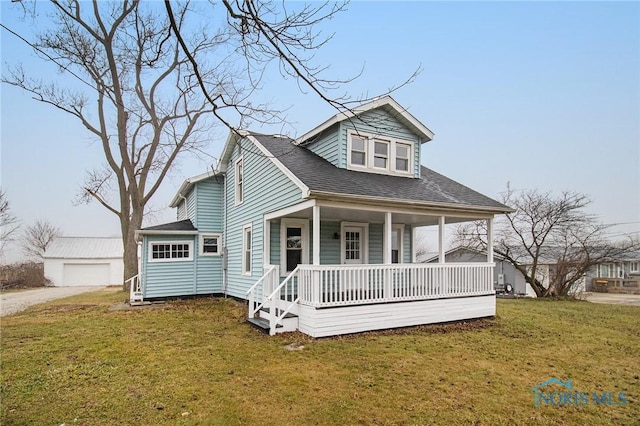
[
  {"x": 304, "y": 188},
  {"x": 396, "y": 205},
  {"x": 228, "y": 148},
  {"x": 141, "y": 232},
  {"x": 290, "y": 210},
  {"x": 418, "y": 127}
]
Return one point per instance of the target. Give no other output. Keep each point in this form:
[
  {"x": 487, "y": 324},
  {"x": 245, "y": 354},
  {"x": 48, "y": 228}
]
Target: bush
[{"x": 22, "y": 275}]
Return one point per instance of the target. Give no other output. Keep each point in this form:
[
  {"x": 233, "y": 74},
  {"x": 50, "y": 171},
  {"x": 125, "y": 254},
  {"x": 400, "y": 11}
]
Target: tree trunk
[{"x": 130, "y": 245}]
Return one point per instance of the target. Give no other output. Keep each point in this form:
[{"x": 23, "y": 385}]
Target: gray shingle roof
[
  {"x": 320, "y": 175},
  {"x": 182, "y": 225}
]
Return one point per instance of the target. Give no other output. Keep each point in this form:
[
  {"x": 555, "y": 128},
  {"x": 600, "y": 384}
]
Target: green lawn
[{"x": 76, "y": 361}]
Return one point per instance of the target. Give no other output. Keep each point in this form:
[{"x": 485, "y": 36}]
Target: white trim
[
  {"x": 303, "y": 224},
  {"x": 239, "y": 189},
  {"x": 441, "y": 239},
  {"x": 370, "y": 141},
  {"x": 201, "y": 244},
  {"x": 140, "y": 232},
  {"x": 243, "y": 269},
  {"x": 364, "y": 243},
  {"x": 290, "y": 210},
  {"x": 388, "y": 101},
  {"x": 351, "y": 201},
  {"x": 304, "y": 188},
  {"x": 150, "y": 258},
  {"x": 316, "y": 235}
]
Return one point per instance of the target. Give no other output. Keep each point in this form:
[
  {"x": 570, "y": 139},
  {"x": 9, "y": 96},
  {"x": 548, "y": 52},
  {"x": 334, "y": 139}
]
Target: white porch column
[
  {"x": 388, "y": 226},
  {"x": 316, "y": 234},
  {"x": 266, "y": 242},
  {"x": 490, "y": 240},
  {"x": 441, "y": 237}
]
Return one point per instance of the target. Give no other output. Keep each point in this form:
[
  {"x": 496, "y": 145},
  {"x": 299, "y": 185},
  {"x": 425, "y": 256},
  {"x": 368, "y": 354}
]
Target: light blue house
[{"x": 318, "y": 233}]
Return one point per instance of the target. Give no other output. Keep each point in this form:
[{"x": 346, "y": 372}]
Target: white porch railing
[
  {"x": 340, "y": 285},
  {"x": 135, "y": 289}
]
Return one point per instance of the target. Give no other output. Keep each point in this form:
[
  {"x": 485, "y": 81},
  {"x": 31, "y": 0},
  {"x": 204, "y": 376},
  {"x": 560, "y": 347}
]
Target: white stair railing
[
  {"x": 278, "y": 300},
  {"x": 265, "y": 285},
  {"x": 135, "y": 289}
]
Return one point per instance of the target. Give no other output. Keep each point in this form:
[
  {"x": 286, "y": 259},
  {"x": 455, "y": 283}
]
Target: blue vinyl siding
[
  {"x": 202, "y": 275},
  {"x": 407, "y": 244},
  {"x": 191, "y": 205},
  {"x": 266, "y": 189},
  {"x": 329, "y": 246},
  {"x": 181, "y": 211},
  {"x": 381, "y": 123},
  {"x": 327, "y": 146},
  {"x": 166, "y": 279},
  {"x": 208, "y": 205},
  {"x": 375, "y": 243}
]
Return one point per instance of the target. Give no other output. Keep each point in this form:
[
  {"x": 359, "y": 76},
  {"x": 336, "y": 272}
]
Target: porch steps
[
  {"x": 288, "y": 323},
  {"x": 262, "y": 324}
]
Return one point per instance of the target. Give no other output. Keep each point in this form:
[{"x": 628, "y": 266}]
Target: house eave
[
  {"x": 141, "y": 232},
  {"x": 188, "y": 184},
  {"x": 448, "y": 207}
]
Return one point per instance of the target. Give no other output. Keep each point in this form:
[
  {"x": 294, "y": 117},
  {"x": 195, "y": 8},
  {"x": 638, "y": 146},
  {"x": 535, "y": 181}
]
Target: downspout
[{"x": 225, "y": 278}]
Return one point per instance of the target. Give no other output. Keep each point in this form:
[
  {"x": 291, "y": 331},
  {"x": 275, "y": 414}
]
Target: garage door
[{"x": 86, "y": 274}]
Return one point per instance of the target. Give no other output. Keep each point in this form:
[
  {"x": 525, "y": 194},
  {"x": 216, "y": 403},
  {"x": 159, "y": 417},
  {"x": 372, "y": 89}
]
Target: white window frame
[
  {"x": 201, "y": 244},
  {"x": 247, "y": 252},
  {"x": 386, "y": 142},
  {"x": 399, "y": 228},
  {"x": 364, "y": 242},
  {"x": 189, "y": 243},
  {"x": 303, "y": 224},
  {"x": 370, "y": 155},
  {"x": 395, "y": 157},
  {"x": 239, "y": 181}
]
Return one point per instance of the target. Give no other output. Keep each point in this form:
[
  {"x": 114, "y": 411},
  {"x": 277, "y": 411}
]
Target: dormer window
[
  {"x": 380, "y": 154},
  {"x": 403, "y": 151},
  {"x": 377, "y": 155},
  {"x": 358, "y": 151}
]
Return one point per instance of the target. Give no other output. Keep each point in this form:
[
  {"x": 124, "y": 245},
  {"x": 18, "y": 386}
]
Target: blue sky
[{"x": 541, "y": 95}]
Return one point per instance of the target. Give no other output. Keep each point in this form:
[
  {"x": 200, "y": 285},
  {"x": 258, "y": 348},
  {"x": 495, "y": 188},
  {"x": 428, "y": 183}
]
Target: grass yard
[{"x": 76, "y": 361}]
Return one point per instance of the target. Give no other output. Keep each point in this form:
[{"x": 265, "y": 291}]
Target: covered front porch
[{"x": 335, "y": 267}]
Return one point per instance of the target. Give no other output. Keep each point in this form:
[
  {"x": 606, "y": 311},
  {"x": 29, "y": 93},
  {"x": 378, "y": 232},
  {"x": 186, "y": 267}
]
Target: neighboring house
[
  {"x": 318, "y": 233},
  {"x": 79, "y": 261},
  {"x": 617, "y": 275},
  {"x": 504, "y": 273}
]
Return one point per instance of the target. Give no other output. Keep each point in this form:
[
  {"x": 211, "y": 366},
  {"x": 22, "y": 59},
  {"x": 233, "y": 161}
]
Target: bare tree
[
  {"x": 548, "y": 230},
  {"x": 36, "y": 239},
  {"x": 159, "y": 78},
  {"x": 8, "y": 222}
]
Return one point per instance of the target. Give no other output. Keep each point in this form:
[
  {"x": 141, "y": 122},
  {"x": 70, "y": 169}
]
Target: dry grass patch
[{"x": 75, "y": 361}]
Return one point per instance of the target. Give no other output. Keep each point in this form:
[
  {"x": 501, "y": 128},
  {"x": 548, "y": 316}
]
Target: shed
[{"x": 79, "y": 261}]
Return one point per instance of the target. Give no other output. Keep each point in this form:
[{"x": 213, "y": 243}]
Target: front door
[{"x": 354, "y": 241}]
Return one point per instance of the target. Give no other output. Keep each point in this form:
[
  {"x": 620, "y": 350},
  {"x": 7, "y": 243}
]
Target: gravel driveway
[{"x": 13, "y": 302}]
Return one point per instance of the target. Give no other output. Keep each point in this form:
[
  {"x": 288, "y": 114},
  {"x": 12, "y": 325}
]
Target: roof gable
[{"x": 388, "y": 104}]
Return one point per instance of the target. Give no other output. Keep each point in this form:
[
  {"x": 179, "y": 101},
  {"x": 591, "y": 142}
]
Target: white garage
[{"x": 80, "y": 261}]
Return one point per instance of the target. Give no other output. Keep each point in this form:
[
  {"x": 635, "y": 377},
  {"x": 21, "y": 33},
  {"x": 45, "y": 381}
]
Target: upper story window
[
  {"x": 403, "y": 154},
  {"x": 358, "y": 151},
  {"x": 378, "y": 155},
  {"x": 239, "y": 181}
]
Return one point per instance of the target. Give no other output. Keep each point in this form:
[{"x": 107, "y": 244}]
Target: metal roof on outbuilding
[{"x": 85, "y": 248}]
